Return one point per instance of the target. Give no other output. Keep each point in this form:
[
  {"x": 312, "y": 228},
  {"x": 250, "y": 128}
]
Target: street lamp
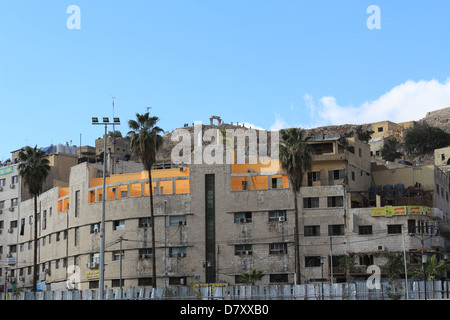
[{"x": 102, "y": 227}]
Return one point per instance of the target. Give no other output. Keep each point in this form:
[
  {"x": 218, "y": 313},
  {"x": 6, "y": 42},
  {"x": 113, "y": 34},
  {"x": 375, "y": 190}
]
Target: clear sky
[{"x": 270, "y": 63}]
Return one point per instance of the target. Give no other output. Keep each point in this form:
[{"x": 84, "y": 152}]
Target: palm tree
[
  {"x": 295, "y": 159},
  {"x": 145, "y": 142},
  {"x": 33, "y": 170},
  {"x": 433, "y": 268},
  {"x": 251, "y": 276}
]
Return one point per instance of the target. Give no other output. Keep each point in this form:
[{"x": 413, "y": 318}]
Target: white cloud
[
  {"x": 279, "y": 123},
  {"x": 408, "y": 101}
]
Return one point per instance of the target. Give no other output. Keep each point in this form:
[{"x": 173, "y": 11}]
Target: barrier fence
[{"x": 436, "y": 289}]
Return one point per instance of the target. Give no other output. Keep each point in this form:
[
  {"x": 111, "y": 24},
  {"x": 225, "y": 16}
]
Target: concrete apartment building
[{"x": 214, "y": 222}]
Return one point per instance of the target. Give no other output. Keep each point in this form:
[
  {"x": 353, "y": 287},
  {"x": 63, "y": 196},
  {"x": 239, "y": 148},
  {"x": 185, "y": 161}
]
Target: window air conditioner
[{"x": 281, "y": 219}]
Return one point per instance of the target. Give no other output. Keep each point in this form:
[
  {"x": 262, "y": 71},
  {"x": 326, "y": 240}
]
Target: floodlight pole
[{"x": 102, "y": 227}]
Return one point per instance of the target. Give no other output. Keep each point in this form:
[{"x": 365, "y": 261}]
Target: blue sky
[{"x": 269, "y": 63}]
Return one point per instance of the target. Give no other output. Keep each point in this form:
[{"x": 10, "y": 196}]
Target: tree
[
  {"x": 434, "y": 269},
  {"x": 145, "y": 142},
  {"x": 423, "y": 138},
  {"x": 394, "y": 268},
  {"x": 295, "y": 158},
  {"x": 390, "y": 152},
  {"x": 251, "y": 277},
  {"x": 34, "y": 169},
  {"x": 114, "y": 134},
  {"x": 365, "y": 135}
]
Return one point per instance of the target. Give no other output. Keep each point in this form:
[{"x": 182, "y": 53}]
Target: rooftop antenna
[{"x": 114, "y": 129}]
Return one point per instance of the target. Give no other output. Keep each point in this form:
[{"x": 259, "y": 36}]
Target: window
[
  {"x": 14, "y": 179},
  {"x": 118, "y": 225},
  {"x": 76, "y": 236},
  {"x": 77, "y": 203},
  {"x": 277, "y": 183},
  {"x": 335, "y": 175},
  {"x": 365, "y": 230},
  {"x": 177, "y": 220},
  {"x": 277, "y": 215},
  {"x": 313, "y": 176},
  {"x": 277, "y": 248},
  {"x": 280, "y": 277},
  {"x": 243, "y": 249},
  {"x": 177, "y": 280},
  {"x": 334, "y": 202},
  {"x": 116, "y": 255},
  {"x": 366, "y": 260},
  {"x": 312, "y": 261},
  {"x": 177, "y": 252},
  {"x": 145, "y": 222},
  {"x": 2, "y": 182},
  {"x": 311, "y": 202},
  {"x": 142, "y": 282},
  {"x": 145, "y": 253},
  {"x": 242, "y": 217},
  {"x": 2, "y": 204},
  {"x": 336, "y": 230},
  {"x": 312, "y": 231},
  {"x": 380, "y": 129},
  {"x": 411, "y": 226},
  {"x": 394, "y": 228},
  {"x": 116, "y": 282},
  {"x": 14, "y": 202}
]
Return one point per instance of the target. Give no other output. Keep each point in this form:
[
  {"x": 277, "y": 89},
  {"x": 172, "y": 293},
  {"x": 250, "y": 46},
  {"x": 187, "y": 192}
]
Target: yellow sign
[
  {"x": 389, "y": 211},
  {"x": 400, "y": 211},
  {"x": 378, "y": 212},
  {"x": 92, "y": 275}
]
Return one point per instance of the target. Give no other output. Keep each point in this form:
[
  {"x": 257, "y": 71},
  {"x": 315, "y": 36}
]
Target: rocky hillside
[{"x": 439, "y": 118}]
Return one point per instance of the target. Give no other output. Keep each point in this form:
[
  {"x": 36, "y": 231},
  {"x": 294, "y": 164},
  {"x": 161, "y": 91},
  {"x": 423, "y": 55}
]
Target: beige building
[{"x": 212, "y": 222}]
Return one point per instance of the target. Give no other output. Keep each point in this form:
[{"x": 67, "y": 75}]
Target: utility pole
[
  {"x": 331, "y": 259},
  {"x": 102, "y": 227}
]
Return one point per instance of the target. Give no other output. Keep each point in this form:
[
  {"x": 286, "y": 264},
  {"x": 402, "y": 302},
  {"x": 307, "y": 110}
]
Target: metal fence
[{"x": 436, "y": 289}]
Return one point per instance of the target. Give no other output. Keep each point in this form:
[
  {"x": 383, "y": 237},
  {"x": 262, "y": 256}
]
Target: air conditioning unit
[
  {"x": 1, "y": 188},
  {"x": 11, "y": 209},
  {"x": 1, "y": 211},
  {"x": 10, "y": 230},
  {"x": 181, "y": 223},
  {"x": 281, "y": 219},
  {"x": 47, "y": 271},
  {"x": 242, "y": 220},
  {"x": 182, "y": 169},
  {"x": 21, "y": 278},
  {"x": 12, "y": 186},
  {"x": 1, "y": 231},
  {"x": 9, "y": 255},
  {"x": 381, "y": 248},
  {"x": 181, "y": 254},
  {"x": 247, "y": 253}
]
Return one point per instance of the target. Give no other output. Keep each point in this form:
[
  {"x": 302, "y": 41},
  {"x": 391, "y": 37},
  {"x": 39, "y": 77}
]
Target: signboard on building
[
  {"x": 92, "y": 275},
  {"x": 390, "y": 211},
  {"x": 378, "y": 212},
  {"x": 6, "y": 170}
]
